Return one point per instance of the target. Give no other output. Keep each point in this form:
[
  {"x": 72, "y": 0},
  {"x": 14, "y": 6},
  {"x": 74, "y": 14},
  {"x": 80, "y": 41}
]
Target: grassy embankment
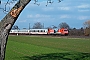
[{"x": 47, "y": 48}]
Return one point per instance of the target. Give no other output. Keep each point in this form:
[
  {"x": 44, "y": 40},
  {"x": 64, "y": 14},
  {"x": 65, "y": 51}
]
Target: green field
[{"x": 47, "y": 48}]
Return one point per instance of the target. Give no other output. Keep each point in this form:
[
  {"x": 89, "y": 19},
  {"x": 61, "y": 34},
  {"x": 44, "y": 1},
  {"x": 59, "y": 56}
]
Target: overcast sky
[{"x": 73, "y": 12}]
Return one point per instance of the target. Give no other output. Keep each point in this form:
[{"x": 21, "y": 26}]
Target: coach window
[
  {"x": 41, "y": 31},
  {"x": 38, "y": 30},
  {"x": 44, "y": 30},
  {"x": 34, "y": 31}
]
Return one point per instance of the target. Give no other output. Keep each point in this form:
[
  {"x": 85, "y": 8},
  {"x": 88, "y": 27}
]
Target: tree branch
[{"x": 8, "y": 2}]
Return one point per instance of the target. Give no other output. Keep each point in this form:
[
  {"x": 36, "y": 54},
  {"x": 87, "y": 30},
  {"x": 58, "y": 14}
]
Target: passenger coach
[{"x": 40, "y": 32}]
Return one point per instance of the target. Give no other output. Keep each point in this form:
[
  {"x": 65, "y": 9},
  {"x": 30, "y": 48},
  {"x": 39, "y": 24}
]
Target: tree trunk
[{"x": 7, "y": 22}]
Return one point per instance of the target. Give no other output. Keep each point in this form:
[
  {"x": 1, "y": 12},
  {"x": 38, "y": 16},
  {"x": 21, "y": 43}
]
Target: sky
[{"x": 73, "y": 12}]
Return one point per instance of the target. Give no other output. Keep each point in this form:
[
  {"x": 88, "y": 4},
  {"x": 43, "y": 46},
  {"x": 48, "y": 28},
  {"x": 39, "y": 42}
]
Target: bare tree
[
  {"x": 15, "y": 27},
  {"x": 87, "y": 28},
  {"x": 87, "y": 24},
  {"x": 64, "y": 25},
  {"x": 8, "y": 21},
  {"x": 37, "y": 25}
]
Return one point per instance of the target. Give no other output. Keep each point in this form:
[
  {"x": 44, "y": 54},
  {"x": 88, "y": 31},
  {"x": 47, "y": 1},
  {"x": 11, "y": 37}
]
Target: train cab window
[
  {"x": 65, "y": 30},
  {"x": 44, "y": 30}
]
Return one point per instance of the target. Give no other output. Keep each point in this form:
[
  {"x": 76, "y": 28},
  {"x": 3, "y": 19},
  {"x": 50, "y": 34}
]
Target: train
[{"x": 49, "y": 31}]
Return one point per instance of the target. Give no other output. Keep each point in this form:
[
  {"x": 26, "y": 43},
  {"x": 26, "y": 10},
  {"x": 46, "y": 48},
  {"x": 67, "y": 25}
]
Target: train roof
[
  {"x": 32, "y": 29},
  {"x": 37, "y": 29}
]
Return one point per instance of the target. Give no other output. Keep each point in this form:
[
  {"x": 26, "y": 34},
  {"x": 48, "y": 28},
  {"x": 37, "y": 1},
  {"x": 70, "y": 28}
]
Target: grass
[{"x": 47, "y": 48}]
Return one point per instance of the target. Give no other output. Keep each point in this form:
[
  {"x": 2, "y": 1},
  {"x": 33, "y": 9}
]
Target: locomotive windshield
[{"x": 65, "y": 30}]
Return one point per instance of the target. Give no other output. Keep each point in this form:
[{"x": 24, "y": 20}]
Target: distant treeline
[{"x": 79, "y": 32}]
